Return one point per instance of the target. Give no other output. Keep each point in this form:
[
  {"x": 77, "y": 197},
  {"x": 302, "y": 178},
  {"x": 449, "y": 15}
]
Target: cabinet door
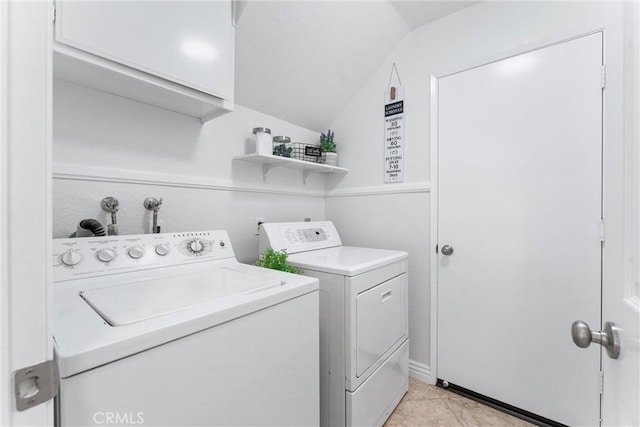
[{"x": 188, "y": 42}]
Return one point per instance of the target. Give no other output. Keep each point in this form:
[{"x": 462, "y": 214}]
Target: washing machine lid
[
  {"x": 148, "y": 298},
  {"x": 83, "y": 339},
  {"x": 346, "y": 260}
]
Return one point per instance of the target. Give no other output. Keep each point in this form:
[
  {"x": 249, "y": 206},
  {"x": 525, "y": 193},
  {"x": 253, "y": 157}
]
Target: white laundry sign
[{"x": 394, "y": 135}]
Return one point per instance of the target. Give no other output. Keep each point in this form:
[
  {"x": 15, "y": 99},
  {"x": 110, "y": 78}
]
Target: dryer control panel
[
  {"x": 75, "y": 258},
  {"x": 298, "y": 236}
]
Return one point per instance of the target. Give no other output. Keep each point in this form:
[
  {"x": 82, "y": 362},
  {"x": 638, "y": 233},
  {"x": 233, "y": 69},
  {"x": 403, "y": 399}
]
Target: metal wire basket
[{"x": 306, "y": 152}]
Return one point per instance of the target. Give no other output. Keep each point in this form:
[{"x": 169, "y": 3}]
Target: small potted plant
[
  {"x": 276, "y": 260},
  {"x": 328, "y": 148}
]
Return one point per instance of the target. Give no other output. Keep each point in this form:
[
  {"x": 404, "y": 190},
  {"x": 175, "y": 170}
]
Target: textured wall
[
  {"x": 99, "y": 130},
  {"x": 183, "y": 209},
  {"x": 106, "y": 145},
  {"x": 303, "y": 61}
]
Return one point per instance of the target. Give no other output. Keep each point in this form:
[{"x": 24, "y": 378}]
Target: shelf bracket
[
  {"x": 265, "y": 171},
  {"x": 266, "y": 168},
  {"x": 305, "y": 175}
]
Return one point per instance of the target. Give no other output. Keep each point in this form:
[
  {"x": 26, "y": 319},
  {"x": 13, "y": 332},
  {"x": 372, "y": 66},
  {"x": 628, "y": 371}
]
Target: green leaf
[{"x": 276, "y": 260}]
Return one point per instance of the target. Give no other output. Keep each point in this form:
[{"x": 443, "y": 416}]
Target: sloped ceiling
[
  {"x": 303, "y": 61},
  {"x": 419, "y": 13}
]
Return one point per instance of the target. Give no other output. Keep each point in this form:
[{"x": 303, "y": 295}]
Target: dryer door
[{"x": 381, "y": 321}]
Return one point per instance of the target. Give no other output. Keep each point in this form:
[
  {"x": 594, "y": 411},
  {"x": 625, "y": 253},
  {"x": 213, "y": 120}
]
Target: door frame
[
  {"x": 26, "y": 337},
  {"x": 627, "y": 301},
  {"x": 614, "y": 181}
]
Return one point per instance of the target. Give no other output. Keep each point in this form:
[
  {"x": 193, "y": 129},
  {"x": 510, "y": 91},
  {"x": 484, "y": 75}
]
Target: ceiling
[
  {"x": 418, "y": 13},
  {"x": 303, "y": 61}
]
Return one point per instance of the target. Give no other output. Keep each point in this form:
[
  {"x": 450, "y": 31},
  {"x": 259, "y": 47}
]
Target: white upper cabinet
[{"x": 177, "y": 55}]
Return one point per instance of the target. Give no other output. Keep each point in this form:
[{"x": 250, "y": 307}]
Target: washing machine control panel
[{"x": 75, "y": 258}]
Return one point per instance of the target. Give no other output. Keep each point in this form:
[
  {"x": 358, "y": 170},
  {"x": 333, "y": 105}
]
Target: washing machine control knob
[
  {"x": 135, "y": 252},
  {"x": 195, "y": 246},
  {"x": 163, "y": 249},
  {"x": 71, "y": 258},
  {"x": 106, "y": 255}
]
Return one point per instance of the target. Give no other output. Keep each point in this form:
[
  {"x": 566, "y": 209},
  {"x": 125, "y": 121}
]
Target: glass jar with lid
[
  {"x": 263, "y": 140},
  {"x": 282, "y": 146}
]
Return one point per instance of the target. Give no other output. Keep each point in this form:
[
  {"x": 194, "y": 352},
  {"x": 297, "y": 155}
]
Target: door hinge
[
  {"x": 54, "y": 13},
  {"x": 237, "y": 7},
  {"x": 601, "y": 382},
  {"x": 603, "y": 77},
  {"x": 36, "y": 384},
  {"x": 601, "y": 233}
]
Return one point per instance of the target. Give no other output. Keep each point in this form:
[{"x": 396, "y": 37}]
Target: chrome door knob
[
  {"x": 447, "y": 250},
  {"x": 583, "y": 336}
]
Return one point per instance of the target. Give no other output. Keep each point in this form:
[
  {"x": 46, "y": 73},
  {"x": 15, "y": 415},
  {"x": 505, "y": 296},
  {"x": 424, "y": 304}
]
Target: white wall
[
  {"x": 106, "y": 145},
  {"x": 473, "y": 36}
]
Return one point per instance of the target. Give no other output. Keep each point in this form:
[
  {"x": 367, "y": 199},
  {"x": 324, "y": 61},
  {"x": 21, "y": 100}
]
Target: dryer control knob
[
  {"x": 106, "y": 255},
  {"x": 135, "y": 252},
  {"x": 163, "y": 249},
  {"x": 71, "y": 258}
]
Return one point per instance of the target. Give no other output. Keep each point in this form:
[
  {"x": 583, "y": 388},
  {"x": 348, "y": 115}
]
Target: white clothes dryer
[
  {"x": 364, "y": 345},
  {"x": 170, "y": 329}
]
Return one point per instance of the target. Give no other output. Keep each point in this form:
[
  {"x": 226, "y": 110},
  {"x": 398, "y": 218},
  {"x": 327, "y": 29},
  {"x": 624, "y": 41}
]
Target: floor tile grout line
[
  {"x": 450, "y": 410},
  {"x": 447, "y": 397},
  {"x": 442, "y": 400}
]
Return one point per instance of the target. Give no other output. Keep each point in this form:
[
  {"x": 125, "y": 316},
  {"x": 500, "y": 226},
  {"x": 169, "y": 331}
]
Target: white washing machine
[
  {"x": 169, "y": 329},
  {"x": 364, "y": 345}
]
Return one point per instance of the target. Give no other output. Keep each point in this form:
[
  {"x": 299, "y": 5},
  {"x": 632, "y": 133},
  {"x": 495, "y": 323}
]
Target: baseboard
[{"x": 421, "y": 372}]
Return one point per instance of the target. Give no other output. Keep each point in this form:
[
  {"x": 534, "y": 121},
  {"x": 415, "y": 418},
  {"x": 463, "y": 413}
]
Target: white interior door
[
  {"x": 25, "y": 200},
  {"x": 519, "y": 200}
]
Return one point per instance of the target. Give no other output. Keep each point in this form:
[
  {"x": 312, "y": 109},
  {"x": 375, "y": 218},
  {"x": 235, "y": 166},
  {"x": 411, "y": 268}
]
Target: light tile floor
[{"x": 426, "y": 405}]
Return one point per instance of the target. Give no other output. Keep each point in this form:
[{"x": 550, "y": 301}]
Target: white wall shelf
[{"x": 270, "y": 162}]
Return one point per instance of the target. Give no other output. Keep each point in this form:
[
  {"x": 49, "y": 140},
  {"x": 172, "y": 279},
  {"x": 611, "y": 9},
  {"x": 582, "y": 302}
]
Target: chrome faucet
[
  {"x": 153, "y": 204},
  {"x": 111, "y": 205}
]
